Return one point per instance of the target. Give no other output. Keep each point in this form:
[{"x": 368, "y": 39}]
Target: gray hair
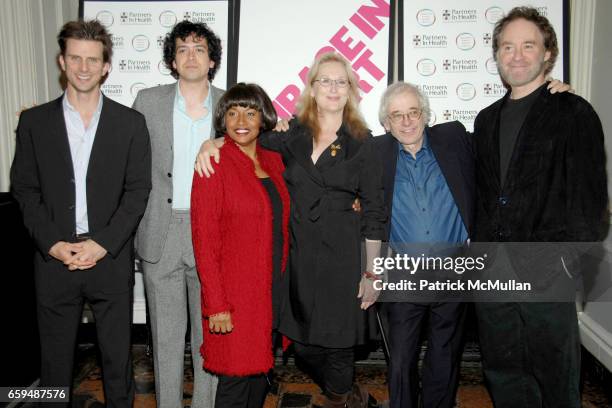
[{"x": 399, "y": 88}]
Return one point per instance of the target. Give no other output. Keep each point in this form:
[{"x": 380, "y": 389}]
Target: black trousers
[
  {"x": 442, "y": 360},
  {"x": 241, "y": 392},
  {"x": 332, "y": 368},
  {"x": 531, "y": 354},
  {"x": 59, "y": 308}
]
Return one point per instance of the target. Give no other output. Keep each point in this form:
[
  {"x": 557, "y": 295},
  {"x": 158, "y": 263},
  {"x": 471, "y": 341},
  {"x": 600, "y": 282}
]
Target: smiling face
[
  {"x": 409, "y": 132},
  {"x": 521, "y": 57},
  {"x": 84, "y": 65},
  {"x": 192, "y": 61},
  {"x": 333, "y": 98},
  {"x": 242, "y": 125}
]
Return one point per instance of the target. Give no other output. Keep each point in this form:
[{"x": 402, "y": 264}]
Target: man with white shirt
[
  {"x": 179, "y": 118},
  {"x": 82, "y": 176}
]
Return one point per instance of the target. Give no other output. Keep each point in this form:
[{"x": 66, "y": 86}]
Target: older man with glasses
[{"x": 429, "y": 193}]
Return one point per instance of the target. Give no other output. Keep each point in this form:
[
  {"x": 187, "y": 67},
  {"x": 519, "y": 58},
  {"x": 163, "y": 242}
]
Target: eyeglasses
[
  {"x": 398, "y": 117},
  {"x": 326, "y": 82}
]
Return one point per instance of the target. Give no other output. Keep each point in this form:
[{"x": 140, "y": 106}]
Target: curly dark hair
[
  {"x": 533, "y": 15},
  {"x": 91, "y": 30},
  {"x": 185, "y": 29},
  {"x": 247, "y": 96}
]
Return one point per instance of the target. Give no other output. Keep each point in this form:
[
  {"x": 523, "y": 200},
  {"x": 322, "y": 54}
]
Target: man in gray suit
[{"x": 179, "y": 119}]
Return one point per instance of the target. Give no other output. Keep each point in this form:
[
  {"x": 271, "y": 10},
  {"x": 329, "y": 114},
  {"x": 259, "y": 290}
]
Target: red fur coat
[{"x": 231, "y": 219}]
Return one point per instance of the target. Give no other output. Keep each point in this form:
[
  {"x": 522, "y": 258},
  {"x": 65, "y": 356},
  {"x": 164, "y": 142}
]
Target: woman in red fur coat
[{"x": 239, "y": 224}]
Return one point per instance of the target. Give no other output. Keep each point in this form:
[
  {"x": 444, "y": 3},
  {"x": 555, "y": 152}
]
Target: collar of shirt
[
  {"x": 67, "y": 106},
  {"x": 424, "y": 147},
  {"x": 179, "y": 101}
]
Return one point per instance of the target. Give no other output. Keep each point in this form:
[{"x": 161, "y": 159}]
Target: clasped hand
[{"x": 78, "y": 255}]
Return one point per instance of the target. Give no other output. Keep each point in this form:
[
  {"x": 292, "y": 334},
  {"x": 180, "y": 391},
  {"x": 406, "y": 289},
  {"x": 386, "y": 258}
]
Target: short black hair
[
  {"x": 185, "y": 29},
  {"x": 247, "y": 96}
]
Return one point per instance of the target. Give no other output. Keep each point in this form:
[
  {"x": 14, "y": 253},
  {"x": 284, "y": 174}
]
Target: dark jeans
[
  {"x": 531, "y": 354},
  {"x": 332, "y": 368},
  {"x": 442, "y": 359}
]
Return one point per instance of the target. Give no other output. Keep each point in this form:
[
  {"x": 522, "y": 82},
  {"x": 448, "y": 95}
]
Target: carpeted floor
[{"x": 293, "y": 388}]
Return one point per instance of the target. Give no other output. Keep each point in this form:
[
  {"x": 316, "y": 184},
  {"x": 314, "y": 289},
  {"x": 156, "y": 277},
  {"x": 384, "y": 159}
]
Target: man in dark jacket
[
  {"x": 540, "y": 168},
  {"x": 428, "y": 177},
  {"x": 82, "y": 176}
]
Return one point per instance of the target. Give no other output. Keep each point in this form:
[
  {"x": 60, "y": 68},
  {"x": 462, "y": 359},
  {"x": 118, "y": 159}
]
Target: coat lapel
[
  {"x": 536, "y": 114},
  {"x": 491, "y": 155},
  {"x": 301, "y": 149},
  {"x": 103, "y": 140},
  {"x": 342, "y": 148},
  {"x": 166, "y": 111},
  {"x": 389, "y": 152},
  {"x": 60, "y": 134},
  {"x": 452, "y": 171}
]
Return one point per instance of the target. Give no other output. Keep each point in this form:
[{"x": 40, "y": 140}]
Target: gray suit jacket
[{"x": 157, "y": 105}]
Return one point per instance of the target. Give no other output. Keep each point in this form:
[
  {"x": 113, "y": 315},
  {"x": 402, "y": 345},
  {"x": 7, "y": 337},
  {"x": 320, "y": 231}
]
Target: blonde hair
[{"x": 307, "y": 111}]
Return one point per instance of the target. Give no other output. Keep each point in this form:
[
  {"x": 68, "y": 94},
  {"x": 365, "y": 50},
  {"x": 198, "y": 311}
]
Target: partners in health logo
[
  {"x": 434, "y": 90},
  {"x": 162, "y": 68},
  {"x": 207, "y": 17},
  {"x": 460, "y": 65},
  {"x": 487, "y": 40},
  {"x": 491, "y": 66},
  {"x": 493, "y": 14},
  {"x": 118, "y": 42},
  {"x": 140, "y": 42},
  {"x": 462, "y": 115},
  {"x": 466, "y": 91},
  {"x": 136, "y": 87},
  {"x": 426, "y": 67},
  {"x": 135, "y": 66},
  {"x": 105, "y": 17},
  {"x": 493, "y": 89},
  {"x": 112, "y": 90},
  {"x": 135, "y": 18},
  {"x": 465, "y": 41},
  {"x": 425, "y": 17},
  {"x": 460, "y": 15},
  {"x": 430, "y": 41},
  {"x": 167, "y": 18}
]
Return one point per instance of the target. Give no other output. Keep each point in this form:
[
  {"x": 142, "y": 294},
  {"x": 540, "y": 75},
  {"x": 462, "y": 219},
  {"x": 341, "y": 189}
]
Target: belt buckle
[{"x": 82, "y": 237}]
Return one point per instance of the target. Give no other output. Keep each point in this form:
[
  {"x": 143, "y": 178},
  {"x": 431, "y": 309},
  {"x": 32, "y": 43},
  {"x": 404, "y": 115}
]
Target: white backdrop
[
  {"x": 279, "y": 39},
  {"x": 448, "y": 54},
  {"x": 138, "y": 29}
]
